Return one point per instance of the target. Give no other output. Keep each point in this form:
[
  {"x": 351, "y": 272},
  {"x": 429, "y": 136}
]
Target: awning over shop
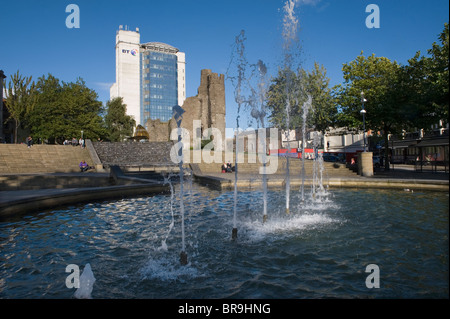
[
  {"x": 441, "y": 141},
  {"x": 402, "y": 144}
]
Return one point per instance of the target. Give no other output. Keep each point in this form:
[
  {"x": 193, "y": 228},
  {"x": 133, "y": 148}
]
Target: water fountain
[
  {"x": 321, "y": 252},
  {"x": 318, "y": 251},
  {"x": 238, "y": 57},
  {"x": 259, "y": 113},
  {"x": 178, "y": 114},
  {"x": 305, "y": 110},
  {"x": 290, "y": 27}
]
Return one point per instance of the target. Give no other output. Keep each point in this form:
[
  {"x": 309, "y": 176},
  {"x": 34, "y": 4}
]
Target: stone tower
[
  {"x": 208, "y": 106},
  {"x": 212, "y": 95}
]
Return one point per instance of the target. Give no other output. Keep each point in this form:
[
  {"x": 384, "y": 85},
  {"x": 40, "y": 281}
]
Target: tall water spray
[
  {"x": 258, "y": 112},
  {"x": 178, "y": 113},
  {"x": 305, "y": 110},
  {"x": 167, "y": 180},
  {"x": 238, "y": 57},
  {"x": 317, "y": 185},
  {"x": 290, "y": 26}
]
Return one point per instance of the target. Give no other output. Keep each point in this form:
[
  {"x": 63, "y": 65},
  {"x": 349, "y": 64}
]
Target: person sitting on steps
[{"x": 84, "y": 166}]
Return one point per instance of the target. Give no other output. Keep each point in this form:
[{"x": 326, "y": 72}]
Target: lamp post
[
  {"x": 363, "y": 112},
  {"x": 2, "y": 76}
]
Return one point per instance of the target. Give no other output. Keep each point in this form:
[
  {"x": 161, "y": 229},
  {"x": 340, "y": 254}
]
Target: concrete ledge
[
  {"x": 52, "y": 199},
  {"x": 10, "y": 182},
  {"x": 377, "y": 183},
  {"x": 435, "y": 185}
]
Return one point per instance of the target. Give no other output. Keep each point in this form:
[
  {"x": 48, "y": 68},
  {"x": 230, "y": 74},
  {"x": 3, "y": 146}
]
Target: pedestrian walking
[{"x": 29, "y": 141}]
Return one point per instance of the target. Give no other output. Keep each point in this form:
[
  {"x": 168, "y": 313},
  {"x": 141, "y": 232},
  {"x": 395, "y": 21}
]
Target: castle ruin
[{"x": 208, "y": 106}]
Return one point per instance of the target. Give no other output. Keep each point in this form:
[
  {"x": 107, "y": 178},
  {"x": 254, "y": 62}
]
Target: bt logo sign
[{"x": 133, "y": 52}]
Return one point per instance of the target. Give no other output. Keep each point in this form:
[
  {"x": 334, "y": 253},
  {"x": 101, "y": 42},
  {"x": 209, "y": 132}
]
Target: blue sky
[{"x": 36, "y": 41}]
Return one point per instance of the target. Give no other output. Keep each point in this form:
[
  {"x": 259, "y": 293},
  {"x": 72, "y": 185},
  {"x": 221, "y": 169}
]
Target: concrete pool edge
[
  {"x": 219, "y": 183},
  {"x": 39, "y": 200},
  {"x": 52, "y": 198}
]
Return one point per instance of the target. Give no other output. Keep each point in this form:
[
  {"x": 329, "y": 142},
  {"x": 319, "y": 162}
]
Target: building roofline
[{"x": 160, "y": 47}]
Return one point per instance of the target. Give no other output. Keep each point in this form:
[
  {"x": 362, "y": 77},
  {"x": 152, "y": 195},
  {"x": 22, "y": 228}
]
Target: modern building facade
[{"x": 150, "y": 77}]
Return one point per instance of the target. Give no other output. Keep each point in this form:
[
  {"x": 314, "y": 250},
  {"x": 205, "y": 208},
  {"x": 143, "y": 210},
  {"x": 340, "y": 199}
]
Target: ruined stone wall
[
  {"x": 208, "y": 106},
  {"x": 158, "y": 131}
]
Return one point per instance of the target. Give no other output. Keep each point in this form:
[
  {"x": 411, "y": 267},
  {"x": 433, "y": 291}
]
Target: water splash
[
  {"x": 164, "y": 267},
  {"x": 305, "y": 110},
  {"x": 290, "y": 24},
  {"x": 167, "y": 180}
]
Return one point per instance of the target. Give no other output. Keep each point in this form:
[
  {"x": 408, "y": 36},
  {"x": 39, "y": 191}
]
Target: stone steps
[{"x": 19, "y": 159}]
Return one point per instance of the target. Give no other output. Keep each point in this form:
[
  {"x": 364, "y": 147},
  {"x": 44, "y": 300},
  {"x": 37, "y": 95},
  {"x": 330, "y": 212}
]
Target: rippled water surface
[{"x": 320, "y": 250}]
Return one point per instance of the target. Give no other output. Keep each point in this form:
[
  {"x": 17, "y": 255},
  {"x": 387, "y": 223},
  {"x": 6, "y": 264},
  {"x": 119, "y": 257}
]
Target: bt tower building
[{"x": 150, "y": 77}]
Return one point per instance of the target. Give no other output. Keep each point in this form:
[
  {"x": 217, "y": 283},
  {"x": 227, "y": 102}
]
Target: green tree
[
  {"x": 380, "y": 80},
  {"x": 63, "y": 110},
  {"x": 439, "y": 75},
  {"x": 426, "y": 80},
  {"x": 284, "y": 88},
  {"x": 324, "y": 111},
  {"x": 20, "y": 99},
  {"x": 295, "y": 87},
  {"x": 118, "y": 124}
]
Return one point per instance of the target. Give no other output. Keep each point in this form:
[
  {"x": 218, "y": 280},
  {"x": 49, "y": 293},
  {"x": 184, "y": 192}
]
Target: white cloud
[
  {"x": 309, "y": 2},
  {"x": 105, "y": 86}
]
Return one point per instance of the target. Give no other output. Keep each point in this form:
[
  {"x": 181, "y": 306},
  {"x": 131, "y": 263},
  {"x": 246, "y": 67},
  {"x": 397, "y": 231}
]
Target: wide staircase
[{"x": 19, "y": 159}]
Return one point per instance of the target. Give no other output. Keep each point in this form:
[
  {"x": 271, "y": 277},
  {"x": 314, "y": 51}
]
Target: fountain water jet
[
  {"x": 178, "y": 113},
  {"x": 167, "y": 180},
  {"x": 305, "y": 110},
  {"x": 290, "y": 26},
  {"x": 258, "y": 112},
  {"x": 241, "y": 64}
]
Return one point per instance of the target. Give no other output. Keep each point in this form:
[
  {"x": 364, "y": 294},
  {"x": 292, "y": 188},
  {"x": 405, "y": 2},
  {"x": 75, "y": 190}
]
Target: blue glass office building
[{"x": 159, "y": 81}]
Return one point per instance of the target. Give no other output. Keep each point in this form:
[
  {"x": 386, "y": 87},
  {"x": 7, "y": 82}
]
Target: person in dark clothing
[{"x": 29, "y": 141}]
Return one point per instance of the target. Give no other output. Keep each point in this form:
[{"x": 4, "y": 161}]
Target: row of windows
[
  {"x": 159, "y": 107},
  {"x": 170, "y": 76},
  {"x": 167, "y": 68},
  {"x": 159, "y": 82},
  {"x": 158, "y": 56}
]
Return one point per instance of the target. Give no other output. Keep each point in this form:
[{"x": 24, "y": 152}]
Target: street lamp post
[
  {"x": 2, "y": 76},
  {"x": 363, "y": 112}
]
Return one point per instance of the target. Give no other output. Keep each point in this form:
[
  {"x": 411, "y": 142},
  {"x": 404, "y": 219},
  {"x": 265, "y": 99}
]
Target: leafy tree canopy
[
  {"x": 118, "y": 124},
  {"x": 64, "y": 109}
]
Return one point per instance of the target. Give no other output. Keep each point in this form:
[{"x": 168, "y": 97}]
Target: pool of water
[{"x": 320, "y": 250}]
